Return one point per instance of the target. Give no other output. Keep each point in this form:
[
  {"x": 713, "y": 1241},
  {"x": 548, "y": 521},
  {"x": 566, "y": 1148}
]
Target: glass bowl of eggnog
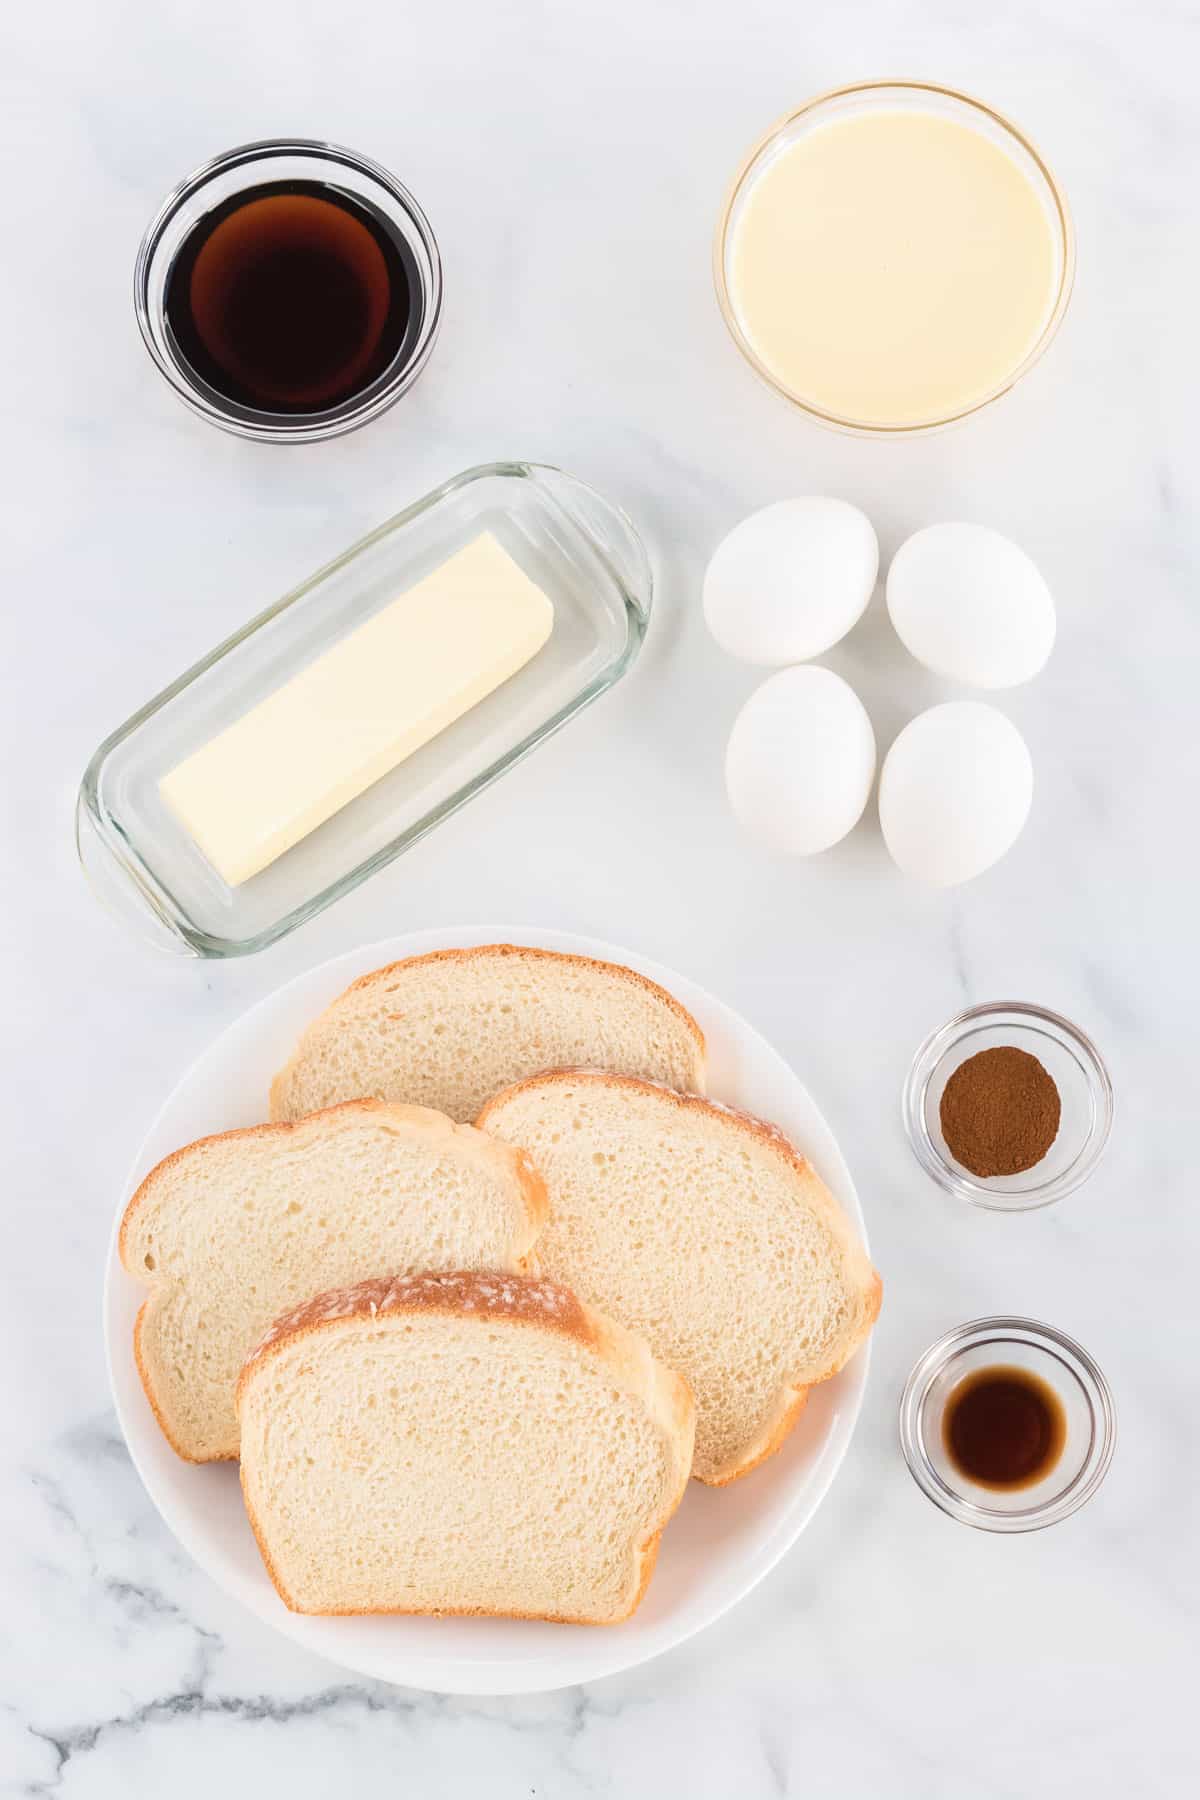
[{"x": 893, "y": 256}]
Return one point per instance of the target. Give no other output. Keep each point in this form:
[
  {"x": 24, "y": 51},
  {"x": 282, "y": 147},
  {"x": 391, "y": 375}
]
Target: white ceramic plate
[{"x": 721, "y": 1541}]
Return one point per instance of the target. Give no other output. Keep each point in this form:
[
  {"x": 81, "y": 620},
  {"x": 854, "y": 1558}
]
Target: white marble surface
[{"x": 572, "y": 159}]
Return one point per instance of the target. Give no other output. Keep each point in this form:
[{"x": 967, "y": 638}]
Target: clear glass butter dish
[{"x": 581, "y": 551}]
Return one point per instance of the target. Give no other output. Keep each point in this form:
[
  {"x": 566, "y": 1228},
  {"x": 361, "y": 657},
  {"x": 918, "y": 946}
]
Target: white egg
[
  {"x": 969, "y": 604},
  {"x": 954, "y": 792},
  {"x": 800, "y": 761},
  {"x": 790, "y": 581}
]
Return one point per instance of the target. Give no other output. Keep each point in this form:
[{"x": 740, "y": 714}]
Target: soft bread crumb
[{"x": 469, "y": 1442}]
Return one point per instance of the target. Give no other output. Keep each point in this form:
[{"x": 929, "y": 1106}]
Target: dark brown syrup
[
  {"x": 1004, "y": 1427},
  {"x": 292, "y": 297}
]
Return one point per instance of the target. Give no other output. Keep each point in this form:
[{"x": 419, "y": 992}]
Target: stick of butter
[{"x": 356, "y": 712}]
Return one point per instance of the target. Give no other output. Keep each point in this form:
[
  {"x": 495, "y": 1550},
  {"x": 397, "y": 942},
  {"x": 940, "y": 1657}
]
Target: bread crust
[
  {"x": 522, "y": 1298},
  {"x": 792, "y": 1404},
  {"x": 344, "y": 1113},
  {"x": 472, "y": 953},
  {"x": 791, "y": 1399},
  {"x": 344, "y": 1116},
  {"x": 148, "y": 1388},
  {"x": 524, "y": 1301}
]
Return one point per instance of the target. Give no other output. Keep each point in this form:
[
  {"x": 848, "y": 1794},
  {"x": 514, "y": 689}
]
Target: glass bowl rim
[
  {"x": 1054, "y": 1343},
  {"x": 867, "y": 427},
  {"x": 973, "y": 1189},
  {"x": 290, "y": 428}
]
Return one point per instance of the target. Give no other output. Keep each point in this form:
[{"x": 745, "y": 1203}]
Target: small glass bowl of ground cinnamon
[{"x": 1008, "y": 1106}]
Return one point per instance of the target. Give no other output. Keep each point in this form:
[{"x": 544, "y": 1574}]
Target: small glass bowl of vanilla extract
[
  {"x": 1007, "y": 1425},
  {"x": 289, "y": 290}
]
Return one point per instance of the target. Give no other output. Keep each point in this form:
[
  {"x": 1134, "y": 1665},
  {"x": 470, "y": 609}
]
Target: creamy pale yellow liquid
[{"x": 893, "y": 268}]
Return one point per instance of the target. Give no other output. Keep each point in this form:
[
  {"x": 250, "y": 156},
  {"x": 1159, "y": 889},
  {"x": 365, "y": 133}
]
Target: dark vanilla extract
[
  {"x": 292, "y": 297},
  {"x": 1004, "y": 1428}
]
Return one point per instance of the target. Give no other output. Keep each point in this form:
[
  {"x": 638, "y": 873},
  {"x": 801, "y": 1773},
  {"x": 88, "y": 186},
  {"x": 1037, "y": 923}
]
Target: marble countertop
[{"x": 572, "y": 159}]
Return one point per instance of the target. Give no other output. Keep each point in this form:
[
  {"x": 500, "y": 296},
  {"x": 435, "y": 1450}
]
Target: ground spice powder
[{"x": 1000, "y": 1112}]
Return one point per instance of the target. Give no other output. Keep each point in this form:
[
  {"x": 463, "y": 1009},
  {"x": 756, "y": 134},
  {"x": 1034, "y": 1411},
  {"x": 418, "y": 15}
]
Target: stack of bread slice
[{"x": 469, "y": 1367}]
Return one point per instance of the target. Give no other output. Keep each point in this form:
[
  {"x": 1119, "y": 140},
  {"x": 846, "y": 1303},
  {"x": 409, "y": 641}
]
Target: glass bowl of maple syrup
[
  {"x": 1007, "y": 1425},
  {"x": 289, "y": 290}
]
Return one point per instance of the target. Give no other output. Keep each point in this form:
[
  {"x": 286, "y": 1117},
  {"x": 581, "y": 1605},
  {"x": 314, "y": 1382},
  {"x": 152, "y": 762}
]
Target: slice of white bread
[
  {"x": 229, "y": 1231},
  {"x": 460, "y": 1443},
  {"x": 708, "y": 1233},
  {"x": 453, "y": 1028}
]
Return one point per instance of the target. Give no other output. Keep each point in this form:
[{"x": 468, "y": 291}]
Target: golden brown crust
[
  {"x": 792, "y": 1399},
  {"x": 139, "y": 1358},
  {"x": 523, "y": 1300},
  {"x": 343, "y": 1113},
  {"x": 528, "y": 952},
  {"x": 762, "y": 1129},
  {"x": 470, "y": 954},
  {"x": 260, "y": 1539},
  {"x": 778, "y": 1430}
]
